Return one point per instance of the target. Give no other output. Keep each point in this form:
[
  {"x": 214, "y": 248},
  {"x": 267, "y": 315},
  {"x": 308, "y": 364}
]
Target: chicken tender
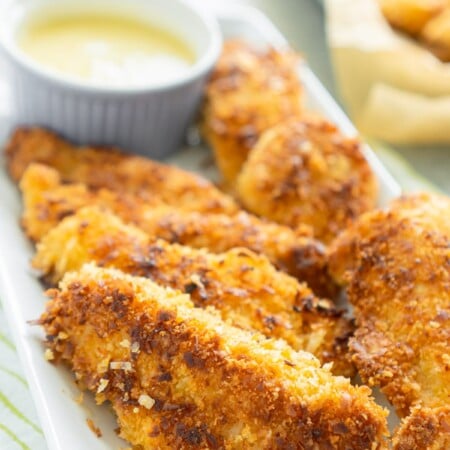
[
  {"x": 305, "y": 171},
  {"x": 179, "y": 377},
  {"x": 244, "y": 287},
  {"x": 424, "y": 429},
  {"x": 47, "y": 201},
  {"x": 114, "y": 170},
  {"x": 397, "y": 266},
  {"x": 411, "y": 16},
  {"x": 249, "y": 92}
]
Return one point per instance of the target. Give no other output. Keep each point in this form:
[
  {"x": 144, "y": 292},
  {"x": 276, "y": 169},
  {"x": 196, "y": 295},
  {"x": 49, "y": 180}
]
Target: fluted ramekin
[{"x": 151, "y": 119}]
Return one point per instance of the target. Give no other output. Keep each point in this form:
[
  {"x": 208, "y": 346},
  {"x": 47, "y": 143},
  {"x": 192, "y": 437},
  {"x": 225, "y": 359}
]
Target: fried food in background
[
  {"x": 426, "y": 20},
  {"x": 47, "y": 201},
  {"x": 114, "y": 170},
  {"x": 411, "y": 16},
  {"x": 397, "y": 266},
  {"x": 304, "y": 171},
  {"x": 191, "y": 380},
  {"x": 244, "y": 287},
  {"x": 249, "y": 91},
  {"x": 436, "y": 35}
]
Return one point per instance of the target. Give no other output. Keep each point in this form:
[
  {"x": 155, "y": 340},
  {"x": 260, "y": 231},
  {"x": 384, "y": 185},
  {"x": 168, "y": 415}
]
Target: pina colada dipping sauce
[{"x": 106, "y": 50}]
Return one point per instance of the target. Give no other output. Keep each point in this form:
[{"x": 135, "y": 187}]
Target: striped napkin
[{"x": 19, "y": 425}]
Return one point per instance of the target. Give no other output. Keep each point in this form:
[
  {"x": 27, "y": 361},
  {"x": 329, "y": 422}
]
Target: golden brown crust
[
  {"x": 343, "y": 252},
  {"x": 291, "y": 251},
  {"x": 245, "y": 287},
  {"x": 249, "y": 92},
  {"x": 47, "y": 201},
  {"x": 179, "y": 377},
  {"x": 306, "y": 171},
  {"x": 114, "y": 170},
  {"x": 397, "y": 265},
  {"x": 424, "y": 429}
]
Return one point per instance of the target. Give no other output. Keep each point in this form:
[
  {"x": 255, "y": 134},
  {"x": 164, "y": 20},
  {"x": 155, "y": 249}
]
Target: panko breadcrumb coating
[
  {"x": 109, "y": 168},
  {"x": 249, "y": 91},
  {"x": 47, "y": 201},
  {"x": 397, "y": 266},
  {"x": 188, "y": 380},
  {"x": 246, "y": 289},
  {"x": 306, "y": 171},
  {"x": 424, "y": 429}
]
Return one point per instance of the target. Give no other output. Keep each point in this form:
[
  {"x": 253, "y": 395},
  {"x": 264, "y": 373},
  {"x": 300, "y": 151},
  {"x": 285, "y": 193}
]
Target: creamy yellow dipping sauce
[{"x": 106, "y": 50}]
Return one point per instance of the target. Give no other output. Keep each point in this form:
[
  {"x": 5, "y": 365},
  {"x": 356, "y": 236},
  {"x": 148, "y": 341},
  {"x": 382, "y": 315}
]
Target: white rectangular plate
[{"x": 53, "y": 388}]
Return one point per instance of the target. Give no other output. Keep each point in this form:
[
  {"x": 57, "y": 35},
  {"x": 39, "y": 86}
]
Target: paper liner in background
[{"x": 394, "y": 89}]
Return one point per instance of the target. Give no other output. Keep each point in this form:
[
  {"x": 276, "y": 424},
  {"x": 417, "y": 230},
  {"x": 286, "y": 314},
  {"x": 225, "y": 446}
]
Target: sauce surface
[{"x": 106, "y": 50}]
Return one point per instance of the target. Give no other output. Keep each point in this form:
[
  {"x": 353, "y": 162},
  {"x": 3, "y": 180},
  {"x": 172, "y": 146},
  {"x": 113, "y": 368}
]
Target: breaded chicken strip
[
  {"x": 180, "y": 377},
  {"x": 411, "y": 16},
  {"x": 47, "y": 201},
  {"x": 424, "y": 429},
  {"x": 249, "y": 91},
  {"x": 244, "y": 287},
  {"x": 397, "y": 265},
  {"x": 306, "y": 171},
  {"x": 116, "y": 171}
]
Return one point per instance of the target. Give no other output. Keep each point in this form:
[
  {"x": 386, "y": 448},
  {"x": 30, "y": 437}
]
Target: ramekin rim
[{"x": 204, "y": 63}]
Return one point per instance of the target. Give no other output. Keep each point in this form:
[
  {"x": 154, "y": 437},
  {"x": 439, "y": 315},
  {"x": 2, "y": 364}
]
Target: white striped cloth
[{"x": 19, "y": 425}]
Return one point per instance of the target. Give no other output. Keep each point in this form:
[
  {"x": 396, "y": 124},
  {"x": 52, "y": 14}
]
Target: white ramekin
[{"x": 150, "y": 120}]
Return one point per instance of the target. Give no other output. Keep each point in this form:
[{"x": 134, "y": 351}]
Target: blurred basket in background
[{"x": 395, "y": 89}]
